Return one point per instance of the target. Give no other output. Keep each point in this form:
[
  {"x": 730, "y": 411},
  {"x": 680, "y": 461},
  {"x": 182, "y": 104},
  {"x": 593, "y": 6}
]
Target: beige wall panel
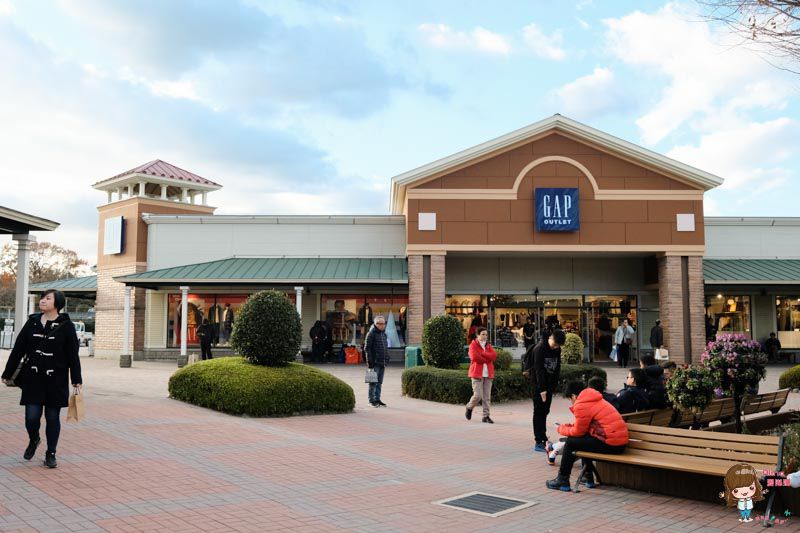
[
  {"x": 614, "y": 166},
  {"x": 625, "y": 211},
  {"x": 647, "y": 233},
  {"x": 446, "y": 210},
  {"x": 665, "y": 210},
  {"x": 464, "y": 232},
  {"x": 605, "y": 232},
  {"x": 155, "y": 332},
  {"x": 591, "y": 211},
  {"x": 487, "y": 211},
  {"x": 466, "y": 274},
  {"x": 510, "y": 233},
  {"x": 521, "y": 211}
]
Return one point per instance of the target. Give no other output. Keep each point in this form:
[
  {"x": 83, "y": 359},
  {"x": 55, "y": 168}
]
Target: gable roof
[
  {"x": 13, "y": 221},
  {"x": 161, "y": 169},
  {"x": 555, "y": 123}
]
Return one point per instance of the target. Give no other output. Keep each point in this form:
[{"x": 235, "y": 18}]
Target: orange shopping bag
[{"x": 352, "y": 355}]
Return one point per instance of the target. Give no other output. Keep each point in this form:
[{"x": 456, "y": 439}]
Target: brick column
[
  {"x": 437, "y": 285},
  {"x": 697, "y": 307},
  {"x": 670, "y": 298},
  {"x": 415, "y": 303},
  {"x": 109, "y": 311}
]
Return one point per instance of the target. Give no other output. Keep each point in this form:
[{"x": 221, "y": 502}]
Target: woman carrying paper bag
[{"x": 47, "y": 346}]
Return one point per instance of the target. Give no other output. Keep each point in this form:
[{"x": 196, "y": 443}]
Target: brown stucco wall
[{"x": 511, "y": 222}]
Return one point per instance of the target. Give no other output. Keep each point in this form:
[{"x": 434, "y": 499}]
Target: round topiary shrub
[
  {"x": 572, "y": 351},
  {"x": 790, "y": 379},
  {"x": 504, "y": 359},
  {"x": 442, "y": 341},
  {"x": 267, "y": 330},
  {"x": 233, "y": 385}
]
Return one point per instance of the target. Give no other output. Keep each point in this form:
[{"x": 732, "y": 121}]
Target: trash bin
[
  {"x": 413, "y": 356},
  {"x": 465, "y": 355}
]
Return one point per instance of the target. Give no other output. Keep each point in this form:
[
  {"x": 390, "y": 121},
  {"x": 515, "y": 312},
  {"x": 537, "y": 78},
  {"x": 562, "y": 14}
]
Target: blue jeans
[
  {"x": 33, "y": 420},
  {"x": 375, "y": 388}
]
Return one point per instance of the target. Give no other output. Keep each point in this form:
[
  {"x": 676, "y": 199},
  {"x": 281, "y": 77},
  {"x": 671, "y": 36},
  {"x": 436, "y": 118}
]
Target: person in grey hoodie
[{"x": 376, "y": 347}]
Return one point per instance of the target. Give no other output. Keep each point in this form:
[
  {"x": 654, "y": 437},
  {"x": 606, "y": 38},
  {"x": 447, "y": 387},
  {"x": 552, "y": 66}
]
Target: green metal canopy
[
  {"x": 256, "y": 270},
  {"x": 86, "y": 284},
  {"x": 752, "y": 271}
]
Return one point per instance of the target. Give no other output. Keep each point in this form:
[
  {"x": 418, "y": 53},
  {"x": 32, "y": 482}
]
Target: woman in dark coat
[{"x": 49, "y": 342}]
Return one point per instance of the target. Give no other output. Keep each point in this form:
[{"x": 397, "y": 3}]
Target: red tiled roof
[{"x": 163, "y": 169}]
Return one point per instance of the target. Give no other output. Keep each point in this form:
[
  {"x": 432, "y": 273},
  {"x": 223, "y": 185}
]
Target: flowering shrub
[
  {"x": 691, "y": 388},
  {"x": 736, "y": 362}
]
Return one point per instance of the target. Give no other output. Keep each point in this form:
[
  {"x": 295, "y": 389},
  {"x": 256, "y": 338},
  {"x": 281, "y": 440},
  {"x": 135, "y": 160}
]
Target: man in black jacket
[
  {"x": 542, "y": 365},
  {"x": 654, "y": 375},
  {"x": 657, "y": 336},
  {"x": 633, "y": 397},
  {"x": 377, "y": 349}
]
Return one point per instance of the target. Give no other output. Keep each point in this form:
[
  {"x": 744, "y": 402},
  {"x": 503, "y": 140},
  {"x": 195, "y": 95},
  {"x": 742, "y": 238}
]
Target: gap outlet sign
[{"x": 557, "y": 209}]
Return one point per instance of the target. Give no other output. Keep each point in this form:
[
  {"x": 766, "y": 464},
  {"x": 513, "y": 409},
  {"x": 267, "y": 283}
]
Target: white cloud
[
  {"x": 583, "y": 23},
  {"x": 479, "y": 39},
  {"x": 707, "y": 74},
  {"x": 6, "y": 8},
  {"x": 591, "y": 95},
  {"x": 546, "y": 46},
  {"x": 750, "y": 154}
]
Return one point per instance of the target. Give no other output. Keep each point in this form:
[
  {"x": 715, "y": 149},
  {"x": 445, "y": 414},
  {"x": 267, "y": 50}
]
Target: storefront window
[
  {"x": 471, "y": 310},
  {"x": 349, "y": 316},
  {"x": 787, "y": 313},
  {"x": 606, "y": 313},
  {"x": 221, "y": 310},
  {"x": 727, "y": 314}
]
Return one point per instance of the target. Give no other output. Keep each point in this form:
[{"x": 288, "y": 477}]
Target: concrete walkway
[{"x": 143, "y": 462}]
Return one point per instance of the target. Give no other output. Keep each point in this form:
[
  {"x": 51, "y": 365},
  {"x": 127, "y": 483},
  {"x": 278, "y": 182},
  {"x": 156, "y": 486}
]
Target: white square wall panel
[
  {"x": 427, "y": 222},
  {"x": 685, "y": 221}
]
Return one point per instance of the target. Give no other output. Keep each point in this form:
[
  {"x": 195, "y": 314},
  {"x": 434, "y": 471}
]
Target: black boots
[
  {"x": 30, "y": 451},
  {"x": 487, "y": 420},
  {"x": 559, "y": 483},
  {"x": 468, "y": 413},
  {"x": 50, "y": 459}
]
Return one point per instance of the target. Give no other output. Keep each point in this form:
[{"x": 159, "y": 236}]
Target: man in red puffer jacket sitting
[{"x": 598, "y": 428}]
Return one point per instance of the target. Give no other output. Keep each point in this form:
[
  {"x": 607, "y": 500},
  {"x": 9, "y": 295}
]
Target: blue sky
[{"x": 311, "y": 107}]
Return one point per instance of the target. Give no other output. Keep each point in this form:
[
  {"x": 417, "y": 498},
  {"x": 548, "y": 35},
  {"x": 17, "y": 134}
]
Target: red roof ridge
[{"x": 160, "y": 168}]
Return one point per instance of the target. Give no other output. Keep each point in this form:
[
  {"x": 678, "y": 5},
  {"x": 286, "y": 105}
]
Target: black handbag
[{"x": 12, "y": 382}]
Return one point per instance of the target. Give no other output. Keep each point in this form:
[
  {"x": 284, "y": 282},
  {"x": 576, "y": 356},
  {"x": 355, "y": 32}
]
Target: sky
[{"x": 301, "y": 107}]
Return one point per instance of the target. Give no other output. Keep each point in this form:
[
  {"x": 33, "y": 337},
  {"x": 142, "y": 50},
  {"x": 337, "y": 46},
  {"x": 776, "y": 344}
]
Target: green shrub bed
[
  {"x": 790, "y": 379},
  {"x": 454, "y": 386},
  {"x": 232, "y": 385}
]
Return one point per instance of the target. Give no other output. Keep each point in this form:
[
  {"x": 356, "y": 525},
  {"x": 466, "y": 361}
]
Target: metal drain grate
[{"x": 485, "y": 504}]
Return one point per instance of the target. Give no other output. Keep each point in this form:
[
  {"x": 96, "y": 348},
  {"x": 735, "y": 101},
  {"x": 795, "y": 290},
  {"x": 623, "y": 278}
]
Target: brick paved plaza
[{"x": 143, "y": 462}]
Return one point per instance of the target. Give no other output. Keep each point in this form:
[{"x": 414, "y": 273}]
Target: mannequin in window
[
  {"x": 215, "y": 319},
  {"x": 401, "y": 323},
  {"x": 364, "y": 320},
  {"x": 227, "y": 322}
]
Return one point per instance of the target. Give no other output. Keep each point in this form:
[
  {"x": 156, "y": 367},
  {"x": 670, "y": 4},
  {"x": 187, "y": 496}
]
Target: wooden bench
[
  {"x": 721, "y": 409},
  {"x": 682, "y": 462}
]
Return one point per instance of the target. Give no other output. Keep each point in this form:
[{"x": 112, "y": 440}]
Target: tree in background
[
  {"x": 775, "y": 24},
  {"x": 48, "y": 262}
]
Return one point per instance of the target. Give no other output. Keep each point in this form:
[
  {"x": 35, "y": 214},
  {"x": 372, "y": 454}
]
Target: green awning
[
  {"x": 86, "y": 284},
  {"x": 751, "y": 271},
  {"x": 277, "y": 270}
]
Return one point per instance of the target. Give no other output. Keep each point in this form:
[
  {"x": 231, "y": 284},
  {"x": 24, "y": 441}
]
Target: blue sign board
[{"x": 557, "y": 209}]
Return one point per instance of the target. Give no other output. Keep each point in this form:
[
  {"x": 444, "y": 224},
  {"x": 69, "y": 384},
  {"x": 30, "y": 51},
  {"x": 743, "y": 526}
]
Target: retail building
[{"x": 556, "y": 221}]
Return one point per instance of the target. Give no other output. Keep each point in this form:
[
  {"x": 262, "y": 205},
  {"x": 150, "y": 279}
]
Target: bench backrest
[
  {"x": 759, "y": 451},
  {"x": 765, "y": 402},
  {"x": 651, "y": 417}
]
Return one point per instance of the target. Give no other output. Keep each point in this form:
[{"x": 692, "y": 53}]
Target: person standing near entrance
[
  {"x": 376, "y": 347},
  {"x": 657, "y": 336},
  {"x": 623, "y": 338},
  {"x": 481, "y": 373},
  {"x": 206, "y": 334},
  {"x": 227, "y": 322},
  {"x": 542, "y": 365},
  {"x": 50, "y": 344},
  {"x": 529, "y": 333}
]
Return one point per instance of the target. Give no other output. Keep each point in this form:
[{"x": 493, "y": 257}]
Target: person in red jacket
[
  {"x": 598, "y": 428},
  {"x": 481, "y": 371}
]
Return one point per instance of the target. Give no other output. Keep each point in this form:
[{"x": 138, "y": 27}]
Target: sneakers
[
  {"x": 381, "y": 403},
  {"x": 374, "y": 404},
  {"x": 539, "y": 447},
  {"x": 588, "y": 481},
  {"x": 559, "y": 483},
  {"x": 487, "y": 420},
  {"x": 50, "y": 460},
  {"x": 551, "y": 453},
  {"x": 468, "y": 413},
  {"x": 30, "y": 451}
]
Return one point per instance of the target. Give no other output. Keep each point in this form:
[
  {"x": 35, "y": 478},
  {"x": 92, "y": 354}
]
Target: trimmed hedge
[
  {"x": 232, "y": 385},
  {"x": 267, "y": 330},
  {"x": 504, "y": 359},
  {"x": 790, "y": 379},
  {"x": 442, "y": 341},
  {"x": 454, "y": 386},
  {"x": 572, "y": 351}
]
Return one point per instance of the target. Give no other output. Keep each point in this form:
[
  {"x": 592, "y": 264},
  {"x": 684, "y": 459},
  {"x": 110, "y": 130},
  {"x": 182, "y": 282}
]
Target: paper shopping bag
[{"x": 76, "y": 410}]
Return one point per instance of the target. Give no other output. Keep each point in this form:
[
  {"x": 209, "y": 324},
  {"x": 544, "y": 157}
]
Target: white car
[{"x": 83, "y": 336}]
